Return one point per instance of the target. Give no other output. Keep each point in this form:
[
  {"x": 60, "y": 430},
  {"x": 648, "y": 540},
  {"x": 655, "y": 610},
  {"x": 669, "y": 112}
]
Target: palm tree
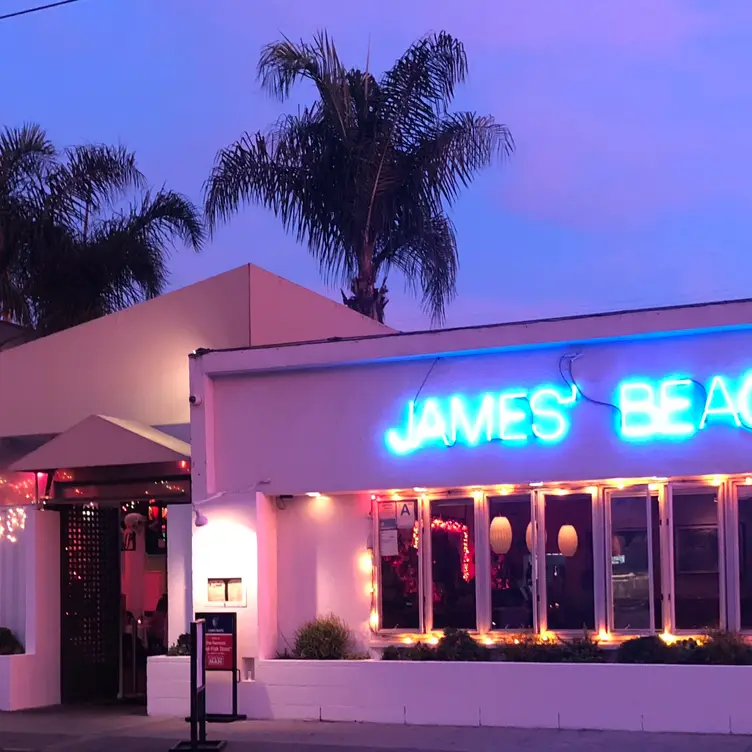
[
  {"x": 365, "y": 175},
  {"x": 80, "y": 235}
]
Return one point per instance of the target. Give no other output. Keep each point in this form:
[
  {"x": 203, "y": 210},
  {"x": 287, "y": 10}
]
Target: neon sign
[
  {"x": 675, "y": 407},
  {"x": 513, "y": 416},
  {"x": 680, "y": 407}
]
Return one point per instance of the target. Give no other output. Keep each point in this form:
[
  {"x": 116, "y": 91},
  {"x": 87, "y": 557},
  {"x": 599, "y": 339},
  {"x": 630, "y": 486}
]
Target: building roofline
[{"x": 509, "y": 324}]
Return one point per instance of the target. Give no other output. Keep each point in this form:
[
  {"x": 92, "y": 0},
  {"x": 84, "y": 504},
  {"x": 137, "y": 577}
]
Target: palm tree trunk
[{"x": 366, "y": 298}]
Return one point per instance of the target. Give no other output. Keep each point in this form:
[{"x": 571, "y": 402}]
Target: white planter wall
[
  {"x": 699, "y": 699},
  {"x": 168, "y": 685}
]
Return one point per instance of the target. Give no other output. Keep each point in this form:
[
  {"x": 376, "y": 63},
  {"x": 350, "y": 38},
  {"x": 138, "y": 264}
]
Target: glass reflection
[
  {"x": 697, "y": 602},
  {"x": 399, "y": 571},
  {"x": 745, "y": 556},
  {"x": 569, "y": 562},
  {"x": 631, "y": 537},
  {"x": 453, "y": 563},
  {"x": 511, "y": 563}
]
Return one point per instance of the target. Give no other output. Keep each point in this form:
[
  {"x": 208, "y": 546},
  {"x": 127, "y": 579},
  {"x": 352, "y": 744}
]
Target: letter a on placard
[{"x": 405, "y": 514}]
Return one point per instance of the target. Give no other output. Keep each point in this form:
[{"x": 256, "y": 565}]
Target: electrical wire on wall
[{"x": 566, "y": 372}]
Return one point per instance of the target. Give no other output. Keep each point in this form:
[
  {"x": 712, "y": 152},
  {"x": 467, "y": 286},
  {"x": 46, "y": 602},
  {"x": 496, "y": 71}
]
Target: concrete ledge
[
  {"x": 168, "y": 685},
  {"x": 693, "y": 699}
]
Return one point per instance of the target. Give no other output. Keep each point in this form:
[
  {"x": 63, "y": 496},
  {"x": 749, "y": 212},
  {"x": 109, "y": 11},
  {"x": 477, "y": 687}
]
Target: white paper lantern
[
  {"x": 567, "y": 540},
  {"x": 529, "y": 537},
  {"x": 501, "y": 535}
]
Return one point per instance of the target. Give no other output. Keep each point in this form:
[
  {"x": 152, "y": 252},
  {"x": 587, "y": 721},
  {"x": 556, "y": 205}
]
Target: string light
[
  {"x": 452, "y": 526},
  {"x": 11, "y": 521}
]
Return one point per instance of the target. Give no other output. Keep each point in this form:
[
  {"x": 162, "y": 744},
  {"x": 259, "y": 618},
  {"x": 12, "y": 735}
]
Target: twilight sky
[{"x": 632, "y": 182}]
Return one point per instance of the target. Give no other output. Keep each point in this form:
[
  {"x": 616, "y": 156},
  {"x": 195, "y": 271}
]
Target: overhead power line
[{"x": 37, "y": 9}]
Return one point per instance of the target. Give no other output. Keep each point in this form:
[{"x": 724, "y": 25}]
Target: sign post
[
  {"x": 198, "y": 741},
  {"x": 222, "y": 655}
]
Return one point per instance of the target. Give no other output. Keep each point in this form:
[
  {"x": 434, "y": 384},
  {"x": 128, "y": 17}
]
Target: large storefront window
[
  {"x": 511, "y": 571},
  {"x": 652, "y": 558},
  {"x": 399, "y": 580},
  {"x": 696, "y": 563},
  {"x": 453, "y": 563},
  {"x": 635, "y": 562},
  {"x": 744, "y": 543},
  {"x": 569, "y": 577}
]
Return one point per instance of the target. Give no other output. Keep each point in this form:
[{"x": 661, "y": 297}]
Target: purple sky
[{"x": 631, "y": 185}]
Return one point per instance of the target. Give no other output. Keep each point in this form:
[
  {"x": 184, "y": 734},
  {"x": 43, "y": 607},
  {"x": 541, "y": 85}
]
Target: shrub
[
  {"x": 9, "y": 644},
  {"x": 326, "y": 638},
  {"x": 721, "y": 648},
  {"x": 418, "y": 652},
  {"x": 181, "y": 647},
  {"x": 458, "y": 645}
]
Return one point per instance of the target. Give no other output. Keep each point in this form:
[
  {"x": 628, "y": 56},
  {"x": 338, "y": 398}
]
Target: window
[
  {"x": 511, "y": 570},
  {"x": 744, "y": 533},
  {"x": 696, "y": 558},
  {"x": 399, "y": 573},
  {"x": 634, "y": 565},
  {"x": 453, "y": 564},
  {"x": 568, "y": 569}
]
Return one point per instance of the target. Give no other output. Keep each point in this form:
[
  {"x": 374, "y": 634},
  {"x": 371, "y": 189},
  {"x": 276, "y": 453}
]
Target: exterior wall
[
  {"x": 134, "y": 365},
  {"x": 321, "y": 541},
  {"x": 33, "y": 680},
  {"x": 325, "y": 427},
  {"x": 700, "y": 699},
  {"x": 282, "y": 311},
  {"x": 130, "y": 365}
]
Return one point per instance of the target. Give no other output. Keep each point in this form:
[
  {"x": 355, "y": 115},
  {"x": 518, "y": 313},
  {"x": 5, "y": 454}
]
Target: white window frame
[
  {"x": 377, "y": 564},
  {"x": 631, "y": 492},
  {"x": 485, "y": 598},
  {"x": 539, "y": 566},
  {"x": 678, "y": 489}
]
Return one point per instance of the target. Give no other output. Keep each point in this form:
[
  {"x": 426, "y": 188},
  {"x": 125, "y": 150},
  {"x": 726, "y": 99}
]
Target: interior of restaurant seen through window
[{"x": 609, "y": 558}]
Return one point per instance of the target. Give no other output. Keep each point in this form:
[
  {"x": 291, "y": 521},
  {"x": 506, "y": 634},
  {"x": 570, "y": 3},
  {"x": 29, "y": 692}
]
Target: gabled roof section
[
  {"x": 282, "y": 312},
  {"x": 102, "y": 441}
]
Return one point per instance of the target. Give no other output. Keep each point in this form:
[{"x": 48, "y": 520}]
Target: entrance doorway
[{"x": 113, "y": 570}]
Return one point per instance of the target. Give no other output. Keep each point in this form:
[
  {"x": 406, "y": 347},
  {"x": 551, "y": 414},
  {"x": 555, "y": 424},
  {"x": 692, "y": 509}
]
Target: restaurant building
[
  {"x": 95, "y": 479},
  {"x": 547, "y": 477}
]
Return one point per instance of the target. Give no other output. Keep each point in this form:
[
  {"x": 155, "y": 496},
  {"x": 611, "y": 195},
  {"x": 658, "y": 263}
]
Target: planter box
[
  {"x": 168, "y": 685},
  {"x": 697, "y": 699},
  {"x": 29, "y": 681}
]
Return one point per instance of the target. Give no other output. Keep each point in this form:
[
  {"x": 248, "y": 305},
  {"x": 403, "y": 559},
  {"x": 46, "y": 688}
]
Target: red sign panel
[{"x": 219, "y": 652}]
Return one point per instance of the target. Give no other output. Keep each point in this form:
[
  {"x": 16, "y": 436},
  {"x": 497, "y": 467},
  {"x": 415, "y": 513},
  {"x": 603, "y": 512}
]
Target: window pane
[
  {"x": 569, "y": 562},
  {"x": 630, "y": 562},
  {"x": 453, "y": 563},
  {"x": 655, "y": 518},
  {"x": 399, "y": 570},
  {"x": 697, "y": 600},
  {"x": 511, "y": 563},
  {"x": 745, "y": 556}
]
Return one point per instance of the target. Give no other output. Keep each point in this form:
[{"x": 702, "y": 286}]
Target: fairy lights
[
  {"x": 456, "y": 528},
  {"x": 11, "y": 521}
]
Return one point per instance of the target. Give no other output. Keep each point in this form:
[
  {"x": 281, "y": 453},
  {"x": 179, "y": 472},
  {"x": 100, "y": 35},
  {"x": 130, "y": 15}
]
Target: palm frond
[
  {"x": 283, "y": 63},
  {"x": 429, "y": 262}
]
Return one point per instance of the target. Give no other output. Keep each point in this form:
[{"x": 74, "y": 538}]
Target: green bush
[
  {"x": 719, "y": 649},
  {"x": 326, "y": 638},
  {"x": 9, "y": 644},
  {"x": 458, "y": 645},
  {"x": 181, "y": 647},
  {"x": 644, "y": 650}
]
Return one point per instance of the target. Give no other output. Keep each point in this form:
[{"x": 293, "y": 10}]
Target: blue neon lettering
[
  {"x": 549, "y": 423},
  {"x": 719, "y": 403},
  {"x": 513, "y": 416},
  {"x": 468, "y": 431},
  {"x": 671, "y": 408},
  {"x": 676, "y": 402}
]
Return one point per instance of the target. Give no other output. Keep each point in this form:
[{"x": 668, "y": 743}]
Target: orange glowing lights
[{"x": 451, "y": 526}]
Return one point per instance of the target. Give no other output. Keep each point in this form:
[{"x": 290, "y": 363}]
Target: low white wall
[
  {"x": 32, "y": 680},
  {"x": 168, "y": 685},
  {"x": 698, "y": 699}
]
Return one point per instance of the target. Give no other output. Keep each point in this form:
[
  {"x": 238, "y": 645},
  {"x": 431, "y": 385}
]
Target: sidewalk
[{"x": 119, "y": 731}]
